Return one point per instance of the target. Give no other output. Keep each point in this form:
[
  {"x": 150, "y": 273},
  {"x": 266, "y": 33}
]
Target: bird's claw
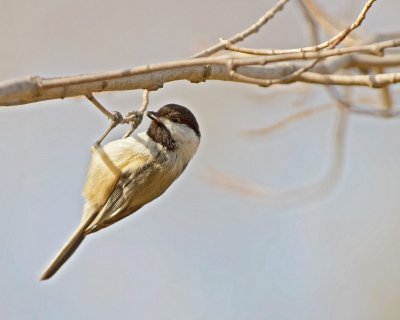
[
  {"x": 116, "y": 118},
  {"x": 134, "y": 118}
]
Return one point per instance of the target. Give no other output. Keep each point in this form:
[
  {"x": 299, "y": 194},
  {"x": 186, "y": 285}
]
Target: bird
[{"x": 126, "y": 174}]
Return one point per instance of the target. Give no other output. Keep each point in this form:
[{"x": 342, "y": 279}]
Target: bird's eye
[{"x": 175, "y": 119}]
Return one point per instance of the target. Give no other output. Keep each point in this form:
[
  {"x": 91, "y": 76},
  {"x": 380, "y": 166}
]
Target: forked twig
[
  {"x": 331, "y": 43},
  {"x": 287, "y": 121}
]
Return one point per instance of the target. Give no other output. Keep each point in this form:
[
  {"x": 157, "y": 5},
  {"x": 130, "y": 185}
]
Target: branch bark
[
  {"x": 34, "y": 89},
  {"x": 256, "y": 70}
]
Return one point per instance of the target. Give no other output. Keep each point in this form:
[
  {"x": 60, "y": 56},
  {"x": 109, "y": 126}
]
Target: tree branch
[
  {"x": 331, "y": 43},
  {"x": 152, "y": 77}
]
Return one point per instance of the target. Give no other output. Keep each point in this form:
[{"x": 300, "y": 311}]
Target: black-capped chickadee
[{"x": 128, "y": 173}]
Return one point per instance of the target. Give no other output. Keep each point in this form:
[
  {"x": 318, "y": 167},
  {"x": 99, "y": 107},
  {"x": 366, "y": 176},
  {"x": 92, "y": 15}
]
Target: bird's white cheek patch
[{"x": 187, "y": 139}]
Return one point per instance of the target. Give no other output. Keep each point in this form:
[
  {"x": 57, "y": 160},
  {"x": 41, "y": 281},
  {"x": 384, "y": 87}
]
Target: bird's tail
[{"x": 68, "y": 249}]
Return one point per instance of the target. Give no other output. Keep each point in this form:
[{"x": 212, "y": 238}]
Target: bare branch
[
  {"x": 372, "y": 49},
  {"x": 244, "y": 34},
  {"x": 265, "y": 67},
  {"x": 372, "y": 81},
  {"x": 342, "y": 35},
  {"x": 331, "y": 43},
  {"x": 367, "y": 61},
  {"x": 329, "y": 25},
  {"x": 26, "y": 90},
  {"x": 262, "y": 70}
]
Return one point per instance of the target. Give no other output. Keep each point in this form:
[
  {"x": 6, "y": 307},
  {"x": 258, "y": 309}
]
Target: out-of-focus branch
[
  {"x": 240, "y": 185},
  {"x": 313, "y": 26},
  {"x": 286, "y": 121}
]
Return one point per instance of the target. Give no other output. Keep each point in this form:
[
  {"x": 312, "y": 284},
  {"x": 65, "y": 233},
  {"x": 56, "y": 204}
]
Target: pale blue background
[{"x": 199, "y": 252}]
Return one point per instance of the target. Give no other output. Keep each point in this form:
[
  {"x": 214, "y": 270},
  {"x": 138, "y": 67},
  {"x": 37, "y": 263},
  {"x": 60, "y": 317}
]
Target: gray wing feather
[{"x": 121, "y": 197}]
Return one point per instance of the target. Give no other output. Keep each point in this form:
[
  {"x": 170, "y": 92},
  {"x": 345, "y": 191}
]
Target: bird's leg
[
  {"x": 115, "y": 117},
  {"x": 115, "y": 120},
  {"x": 99, "y": 106},
  {"x": 134, "y": 118}
]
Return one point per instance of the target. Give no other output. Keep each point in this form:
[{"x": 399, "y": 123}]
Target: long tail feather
[{"x": 68, "y": 249}]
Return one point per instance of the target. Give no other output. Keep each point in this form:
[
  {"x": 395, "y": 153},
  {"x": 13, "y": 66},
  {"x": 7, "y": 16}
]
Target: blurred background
[{"x": 200, "y": 251}]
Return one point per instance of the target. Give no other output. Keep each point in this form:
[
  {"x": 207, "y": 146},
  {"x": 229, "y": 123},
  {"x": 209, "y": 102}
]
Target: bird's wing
[{"x": 121, "y": 197}]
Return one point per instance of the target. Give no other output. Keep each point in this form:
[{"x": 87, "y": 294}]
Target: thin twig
[
  {"x": 372, "y": 81},
  {"x": 327, "y": 23},
  {"x": 342, "y": 35},
  {"x": 372, "y": 49},
  {"x": 331, "y": 43},
  {"x": 244, "y": 34}
]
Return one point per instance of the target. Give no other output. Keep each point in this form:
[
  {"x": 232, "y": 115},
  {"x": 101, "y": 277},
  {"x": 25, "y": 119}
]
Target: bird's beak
[{"x": 153, "y": 116}]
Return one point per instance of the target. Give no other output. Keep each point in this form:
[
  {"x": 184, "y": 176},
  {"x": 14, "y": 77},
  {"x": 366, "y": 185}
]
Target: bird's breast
[{"x": 132, "y": 154}]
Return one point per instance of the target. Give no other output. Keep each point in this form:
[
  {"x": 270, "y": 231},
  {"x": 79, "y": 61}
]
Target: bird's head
[{"x": 173, "y": 125}]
